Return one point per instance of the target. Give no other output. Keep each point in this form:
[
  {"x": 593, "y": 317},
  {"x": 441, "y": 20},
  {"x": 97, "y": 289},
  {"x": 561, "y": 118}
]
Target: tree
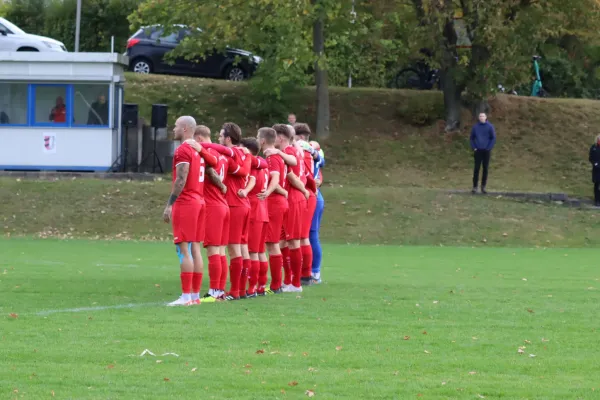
[
  {"x": 504, "y": 34},
  {"x": 288, "y": 35}
]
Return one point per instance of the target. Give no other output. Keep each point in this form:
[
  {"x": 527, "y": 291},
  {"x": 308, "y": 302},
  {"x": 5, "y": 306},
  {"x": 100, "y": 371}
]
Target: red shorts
[
  {"x": 188, "y": 222},
  {"x": 217, "y": 226},
  {"x": 307, "y": 217},
  {"x": 293, "y": 222},
  {"x": 256, "y": 236},
  {"x": 238, "y": 225},
  {"x": 277, "y": 214}
]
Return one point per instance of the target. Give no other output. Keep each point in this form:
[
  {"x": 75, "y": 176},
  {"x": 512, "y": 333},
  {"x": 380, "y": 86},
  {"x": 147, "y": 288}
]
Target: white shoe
[
  {"x": 292, "y": 289},
  {"x": 285, "y": 287},
  {"x": 180, "y": 302}
]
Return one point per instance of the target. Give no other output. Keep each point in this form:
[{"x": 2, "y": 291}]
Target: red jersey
[
  {"x": 194, "y": 185},
  {"x": 258, "y": 211},
  {"x": 294, "y": 194},
  {"x": 212, "y": 193},
  {"x": 276, "y": 164},
  {"x": 237, "y": 178}
]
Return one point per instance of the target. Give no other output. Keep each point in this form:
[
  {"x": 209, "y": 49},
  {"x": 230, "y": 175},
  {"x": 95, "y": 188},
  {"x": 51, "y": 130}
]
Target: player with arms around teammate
[
  {"x": 185, "y": 209},
  {"x": 216, "y": 218},
  {"x": 277, "y": 204},
  {"x": 310, "y": 157},
  {"x": 298, "y": 195},
  {"x": 259, "y": 217}
]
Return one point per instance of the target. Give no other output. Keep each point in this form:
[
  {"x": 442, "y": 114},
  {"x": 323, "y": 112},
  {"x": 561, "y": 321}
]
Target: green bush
[{"x": 422, "y": 110}]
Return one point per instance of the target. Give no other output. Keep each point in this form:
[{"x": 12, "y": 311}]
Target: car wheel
[
  {"x": 28, "y": 49},
  {"x": 235, "y": 73},
  {"x": 141, "y": 66}
]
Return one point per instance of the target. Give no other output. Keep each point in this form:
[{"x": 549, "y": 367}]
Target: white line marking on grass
[{"x": 99, "y": 308}]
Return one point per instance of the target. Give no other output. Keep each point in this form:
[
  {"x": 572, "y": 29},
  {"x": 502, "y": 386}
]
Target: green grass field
[{"x": 388, "y": 323}]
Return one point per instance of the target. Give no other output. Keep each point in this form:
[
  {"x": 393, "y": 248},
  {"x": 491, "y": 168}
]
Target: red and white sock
[
  {"x": 296, "y": 264},
  {"x": 214, "y": 272},
  {"x": 224, "y": 271},
  {"x": 244, "y": 276},
  {"x": 196, "y": 285},
  {"x": 307, "y": 256},
  {"x": 186, "y": 285},
  {"x": 285, "y": 253},
  {"x": 276, "y": 263},
  {"x": 253, "y": 276},
  {"x": 235, "y": 274}
]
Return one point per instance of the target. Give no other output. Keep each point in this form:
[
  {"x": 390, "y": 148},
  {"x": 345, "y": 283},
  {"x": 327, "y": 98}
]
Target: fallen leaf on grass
[
  {"x": 443, "y": 383},
  {"x": 472, "y": 373},
  {"x": 260, "y": 351},
  {"x": 298, "y": 297},
  {"x": 435, "y": 302},
  {"x": 480, "y": 396},
  {"x": 310, "y": 393},
  {"x": 545, "y": 340},
  {"x": 305, "y": 354},
  {"x": 396, "y": 373},
  {"x": 527, "y": 341},
  {"x": 293, "y": 383},
  {"x": 248, "y": 372},
  {"x": 529, "y": 310},
  {"x": 52, "y": 393},
  {"x": 275, "y": 352},
  {"x": 248, "y": 366},
  {"x": 158, "y": 361},
  {"x": 265, "y": 342},
  {"x": 427, "y": 352},
  {"x": 338, "y": 348},
  {"x": 13, "y": 315},
  {"x": 324, "y": 299},
  {"x": 524, "y": 279},
  {"x": 194, "y": 369},
  {"x": 111, "y": 366},
  {"x": 156, "y": 285},
  {"x": 424, "y": 332},
  {"x": 532, "y": 355},
  {"x": 474, "y": 338},
  {"x": 406, "y": 337},
  {"x": 311, "y": 369},
  {"x": 166, "y": 379},
  {"x": 521, "y": 350}
]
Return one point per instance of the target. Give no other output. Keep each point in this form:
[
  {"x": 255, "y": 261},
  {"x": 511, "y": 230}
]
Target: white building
[{"x": 60, "y": 111}]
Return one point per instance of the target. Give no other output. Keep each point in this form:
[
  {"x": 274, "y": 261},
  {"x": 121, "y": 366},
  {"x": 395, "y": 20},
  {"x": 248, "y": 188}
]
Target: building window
[
  {"x": 91, "y": 105},
  {"x": 13, "y": 103},
  {"x": 51, "y": 106}
]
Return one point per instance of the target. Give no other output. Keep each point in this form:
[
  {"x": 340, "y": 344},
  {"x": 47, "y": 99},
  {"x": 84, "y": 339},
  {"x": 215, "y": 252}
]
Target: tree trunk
[
  {"x": 452, "y": 100},
  {"x": 323, "y": 116}
]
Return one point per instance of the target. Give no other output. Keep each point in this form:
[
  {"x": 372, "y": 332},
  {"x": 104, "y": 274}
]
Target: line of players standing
[{"x": 231, "y": 200}]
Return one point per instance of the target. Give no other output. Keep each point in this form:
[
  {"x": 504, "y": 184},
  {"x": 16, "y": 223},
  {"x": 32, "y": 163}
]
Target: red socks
[
  {"x": 276, "y": 262},
  {"x": 196, "y": 282},
  {"x": 244, "y": 276},
  {"x": 253, "y": 276},
  {"x": 285, "y": 253},
  {"x": 214, "y": 271},
  {"x": 186, "y": 282},
  {"x": 224, "y": 269},
  {"x": 235, "y": 275},
  {"x": 262, "y": 275},
  {"x": 307, "y": 257},
  {"x": 296, "y": 264}
]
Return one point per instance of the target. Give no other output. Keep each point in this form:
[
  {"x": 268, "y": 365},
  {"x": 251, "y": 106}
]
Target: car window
[
  {"x": 3, "y": 28},
  {"x": 159, "y": 36}
]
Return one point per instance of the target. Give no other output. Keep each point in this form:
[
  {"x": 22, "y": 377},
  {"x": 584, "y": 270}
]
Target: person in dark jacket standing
[
  {"x": 595, "y": 161},
  {"x": 483, "y": 139}
]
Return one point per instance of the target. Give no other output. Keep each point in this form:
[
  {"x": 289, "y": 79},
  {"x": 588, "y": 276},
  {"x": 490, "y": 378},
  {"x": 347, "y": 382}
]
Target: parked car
[
  {"x": 146, "y": 50},
  {"x": 13, "y": 38}
]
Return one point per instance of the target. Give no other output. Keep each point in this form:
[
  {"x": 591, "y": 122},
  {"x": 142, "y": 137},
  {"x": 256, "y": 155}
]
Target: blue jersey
[{"x": 318, "y": 164}]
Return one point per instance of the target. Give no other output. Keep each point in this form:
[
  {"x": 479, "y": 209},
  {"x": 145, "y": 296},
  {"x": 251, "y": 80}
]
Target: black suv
[{"x": 147, "y": 47}]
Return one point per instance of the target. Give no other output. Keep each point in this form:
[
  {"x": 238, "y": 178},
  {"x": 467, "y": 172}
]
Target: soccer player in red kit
[
  {"x": 239, "y": 207},
  {"x": 298, "y": 195},
  {"x": 310, "y": 156},
  {"x": 259, "y": 217},
  {"x": 185, "y": 209},
  {"x": 277, "y": 204},
  {"x": 217, "y": 219}
]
